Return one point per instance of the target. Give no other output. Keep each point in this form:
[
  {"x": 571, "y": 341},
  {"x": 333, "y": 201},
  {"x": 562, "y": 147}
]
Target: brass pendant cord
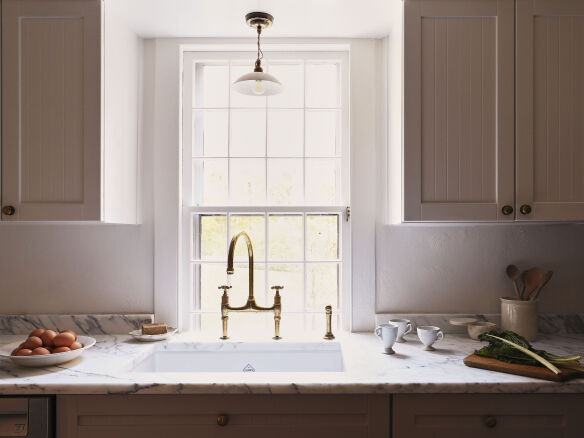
[{"x": 258, "y": 63}]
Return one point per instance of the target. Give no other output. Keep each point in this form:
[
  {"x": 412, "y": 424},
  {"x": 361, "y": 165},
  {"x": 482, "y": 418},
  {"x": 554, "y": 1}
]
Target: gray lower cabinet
[
  {"x": 487, "y": 415},
  {"x": 282, "y": 416}
]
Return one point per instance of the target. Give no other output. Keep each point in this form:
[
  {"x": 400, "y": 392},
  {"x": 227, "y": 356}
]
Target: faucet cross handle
[
  {"x": 224, "y": 287},
  {"x": 277, "y": 289}
]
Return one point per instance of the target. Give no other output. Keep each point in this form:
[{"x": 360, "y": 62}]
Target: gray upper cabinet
[
  {"x": 493, "y": 110},
  {"x": 458, "y": 109},
  {"x": 55, "y": 164},
  {"x": 550, "y": 109}
]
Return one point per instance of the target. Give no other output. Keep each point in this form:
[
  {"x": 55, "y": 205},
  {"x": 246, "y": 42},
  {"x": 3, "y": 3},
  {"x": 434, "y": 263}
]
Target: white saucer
[{"x": 137, "y": 334}]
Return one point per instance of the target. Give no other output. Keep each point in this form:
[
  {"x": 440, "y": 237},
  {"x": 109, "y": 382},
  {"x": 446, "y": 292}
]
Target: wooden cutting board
[{"x": 487, "y": 363}]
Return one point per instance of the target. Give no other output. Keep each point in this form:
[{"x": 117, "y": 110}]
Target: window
[{"x": 275, "y": 167}]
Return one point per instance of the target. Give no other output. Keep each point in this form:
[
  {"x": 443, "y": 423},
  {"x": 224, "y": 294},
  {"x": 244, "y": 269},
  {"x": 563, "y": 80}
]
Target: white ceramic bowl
[
  {"x": 477, "y": 328},
  {"x": 137, "y": 334},
  {"x": 48, "y": 359}
]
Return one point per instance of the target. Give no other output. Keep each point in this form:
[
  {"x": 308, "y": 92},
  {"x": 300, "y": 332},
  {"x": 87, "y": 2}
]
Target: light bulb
[{"x": 258, "y": 88}]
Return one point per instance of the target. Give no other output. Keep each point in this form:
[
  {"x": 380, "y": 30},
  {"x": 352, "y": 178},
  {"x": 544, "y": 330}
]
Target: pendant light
[{"x": 258, "y": 83}]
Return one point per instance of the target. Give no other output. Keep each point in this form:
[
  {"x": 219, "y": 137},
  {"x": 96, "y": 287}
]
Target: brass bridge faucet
[{"x": 250, "y": 305}]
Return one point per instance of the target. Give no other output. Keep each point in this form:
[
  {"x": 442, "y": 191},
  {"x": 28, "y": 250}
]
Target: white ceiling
[{"x": 225, "y": 18}]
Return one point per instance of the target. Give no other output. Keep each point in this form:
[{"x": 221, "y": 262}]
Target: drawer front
[
  {"x": 487, "y": 415},
  {"x": 145, "y": 416}
]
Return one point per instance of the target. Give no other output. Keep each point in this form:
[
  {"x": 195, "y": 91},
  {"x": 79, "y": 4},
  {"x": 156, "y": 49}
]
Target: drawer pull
[
  {"x": 222, "y": 420},
  {"x": 490, "y": 421}
]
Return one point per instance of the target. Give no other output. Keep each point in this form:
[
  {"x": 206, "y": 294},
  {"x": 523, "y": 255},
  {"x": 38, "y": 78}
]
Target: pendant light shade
[{"x": 258, "y": 83}]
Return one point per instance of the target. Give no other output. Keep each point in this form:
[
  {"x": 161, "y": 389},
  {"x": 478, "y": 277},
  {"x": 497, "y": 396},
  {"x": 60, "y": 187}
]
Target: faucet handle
[
  {"x": 225, "y": 288},
  {"x": 277, "y": 288}
]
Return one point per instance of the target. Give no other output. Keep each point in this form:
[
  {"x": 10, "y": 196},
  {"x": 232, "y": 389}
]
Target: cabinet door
[
  {"x": 550, "y": 109},
  {"x": 257, "y": 416},
  {"x": 487, "y": 415},
  {"x": 51, "y": 100},
  {"x": 458, "y": 110}
]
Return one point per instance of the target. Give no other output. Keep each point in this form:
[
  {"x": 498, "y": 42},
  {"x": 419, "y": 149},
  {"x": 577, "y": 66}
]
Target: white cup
[
  {"x": 404, "y": 326},
  {"x": 388, "y": 334},
  {"x": 429, "y": 334}
]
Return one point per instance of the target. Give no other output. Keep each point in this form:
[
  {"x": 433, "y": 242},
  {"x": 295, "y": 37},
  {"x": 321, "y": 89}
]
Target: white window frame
[{"x": 187, "y": 306}]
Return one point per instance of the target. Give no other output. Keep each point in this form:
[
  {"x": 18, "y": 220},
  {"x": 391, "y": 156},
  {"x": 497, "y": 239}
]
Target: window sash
[{"x": 190, "y": 308}]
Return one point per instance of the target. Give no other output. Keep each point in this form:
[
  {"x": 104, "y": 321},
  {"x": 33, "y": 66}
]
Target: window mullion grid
[
  {"x": 304, "y": 273},
  {"x": 229, "y": 137}
]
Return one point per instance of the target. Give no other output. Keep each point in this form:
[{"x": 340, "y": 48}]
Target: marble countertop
[{"x": 107, "y": 369}]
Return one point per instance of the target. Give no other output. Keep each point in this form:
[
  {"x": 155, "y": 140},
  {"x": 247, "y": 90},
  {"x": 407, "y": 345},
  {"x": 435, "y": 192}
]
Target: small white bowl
[
  {"x": 46, "y": 360},
  {"x": 137, "y": 334},
  {"x": 477, "y": 328}
]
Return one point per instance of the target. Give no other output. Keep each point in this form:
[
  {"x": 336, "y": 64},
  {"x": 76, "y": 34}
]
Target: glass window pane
[
  {"x": 212, "y": 235},
  {"x": 322, "y": 133},
  {"x": 210, "y": 181},
  {"x": 210, "y": 133},
  {"x": 292, "y": 78},
  {"x": 322, "y": 85},
  {"x": 322, "y": 181},
  {"x": 240, "y": 284},
  {"x": 322, "y": 237},
  {"x": 285, "y": 131},
  {"x": 248, "y": 133},
  {"x": 239, "y": 100},
  {"x": 209, "y": 276},
  {"x": 285, "y": 237},
  {"x": 322, "y": 286},
  {"x": 248, "y": 181},
  {"x": 212, "y": 82},
  {"x": 254, "y": 226},
  {"x": 291, "y": 276},
  {"x": 285, "y": 180}
]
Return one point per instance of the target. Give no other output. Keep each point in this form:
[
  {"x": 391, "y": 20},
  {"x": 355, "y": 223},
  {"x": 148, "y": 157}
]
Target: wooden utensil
[
  {"x": 532, "y": 279},
  {"x": 546, "y": 279},
  {"x": 513, "y": 273},
  {"x": 487, "y": 363}
]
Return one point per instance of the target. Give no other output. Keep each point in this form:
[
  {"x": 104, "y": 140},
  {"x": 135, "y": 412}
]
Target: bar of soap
[{"x": 154, "y": 329}]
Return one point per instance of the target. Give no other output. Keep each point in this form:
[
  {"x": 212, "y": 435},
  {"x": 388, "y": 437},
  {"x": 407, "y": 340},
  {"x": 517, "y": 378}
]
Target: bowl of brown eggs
[{"x": 45, "y": 348}]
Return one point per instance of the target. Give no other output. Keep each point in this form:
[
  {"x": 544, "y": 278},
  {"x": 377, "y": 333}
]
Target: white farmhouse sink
[{"x": 244, "y": 357}]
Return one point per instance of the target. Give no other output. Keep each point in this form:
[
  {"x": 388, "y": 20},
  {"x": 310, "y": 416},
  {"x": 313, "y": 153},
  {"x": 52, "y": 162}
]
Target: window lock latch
[{"x": 348, "y": 212}]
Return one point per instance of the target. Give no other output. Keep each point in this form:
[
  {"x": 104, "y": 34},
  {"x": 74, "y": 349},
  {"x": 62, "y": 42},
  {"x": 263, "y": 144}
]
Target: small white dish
[
  {"x": 137, "y": 334},
  {"x": 462, "y": 321},
  {"x": 46, "y": 360}
]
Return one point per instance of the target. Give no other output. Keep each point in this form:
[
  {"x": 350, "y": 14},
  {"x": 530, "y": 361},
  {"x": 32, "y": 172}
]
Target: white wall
[{"x": 461, "y": 268}]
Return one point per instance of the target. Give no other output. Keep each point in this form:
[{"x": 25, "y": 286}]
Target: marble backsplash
[
  {"x": 106, "y": 324},
  {"x": 549, "y": 323}
]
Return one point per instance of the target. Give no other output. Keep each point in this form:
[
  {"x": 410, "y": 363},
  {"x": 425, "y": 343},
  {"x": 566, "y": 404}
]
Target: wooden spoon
[
  {"x": 546, "y": 279},
  {"x": 513, "y": 273},
  {"x": 532, "y": 280}
]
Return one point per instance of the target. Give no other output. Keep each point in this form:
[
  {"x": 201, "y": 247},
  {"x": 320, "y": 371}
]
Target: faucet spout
[
  {"x": 250, "y": 305},
  {"x": 231, "y": 255}
]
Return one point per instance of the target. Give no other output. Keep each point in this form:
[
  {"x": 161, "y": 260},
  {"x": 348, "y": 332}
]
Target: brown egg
[
  {"x": 33, "y": 342},
  {"x": 37, "y": 332},
  {"x": 48, "y": 337},
  {"x": 76, "y": 345},
  {"x": 23, "y": 352},
  {"x": 63, "y": 340},
  {"x": 14, "y": 351},
  {"x": 70, "y": 331},
  {"x": 60, "y": 350},
  {"x": 41, "y": 351}
]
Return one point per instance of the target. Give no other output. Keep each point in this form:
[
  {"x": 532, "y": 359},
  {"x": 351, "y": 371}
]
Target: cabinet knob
[
  {"x": 490, "y": 421},
  {"x": 8, "y": 210},
  {"x": 525, "y": 209},
  {"x": 222, "y": 420},
  {"x": 507, "y": 210}
]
